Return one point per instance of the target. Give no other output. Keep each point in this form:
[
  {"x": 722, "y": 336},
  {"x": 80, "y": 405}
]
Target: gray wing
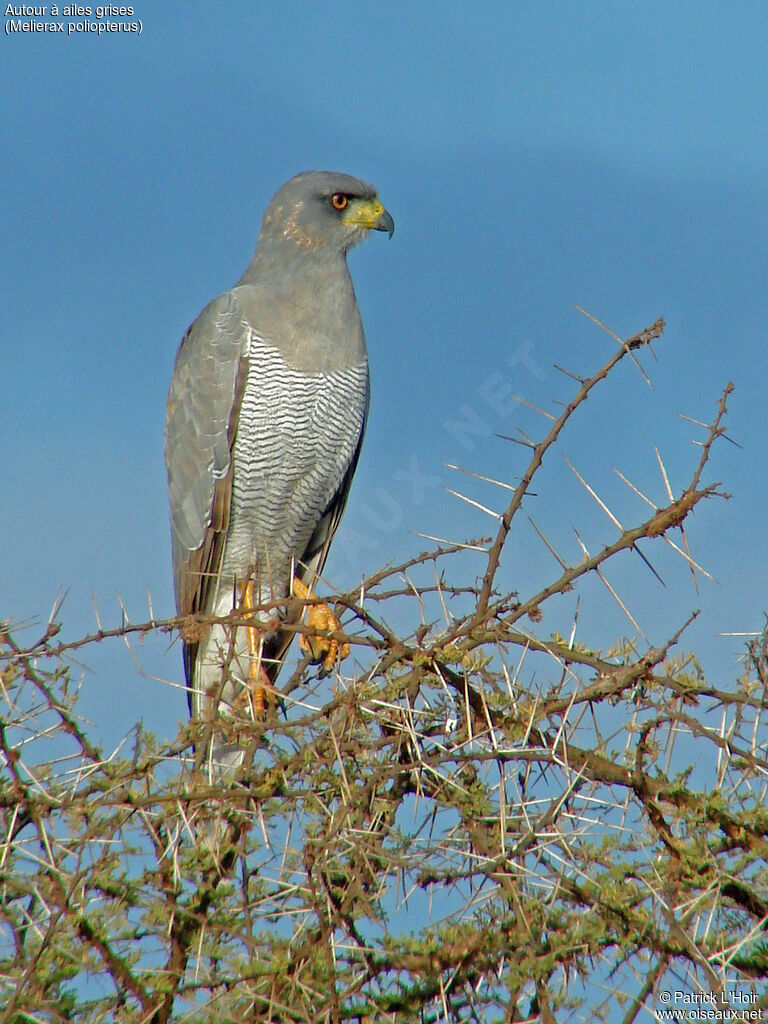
[{"x": 201, "y": 420}]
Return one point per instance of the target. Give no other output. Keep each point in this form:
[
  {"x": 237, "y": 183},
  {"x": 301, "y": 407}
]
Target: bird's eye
[{"x": 339, "y": 200}]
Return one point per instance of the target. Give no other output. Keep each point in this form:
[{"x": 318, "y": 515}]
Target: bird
[{"x": 265, "y": 419}]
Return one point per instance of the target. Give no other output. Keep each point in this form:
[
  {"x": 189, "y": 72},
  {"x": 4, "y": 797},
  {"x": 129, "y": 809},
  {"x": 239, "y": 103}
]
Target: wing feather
[{"x": 201, "y": 421}]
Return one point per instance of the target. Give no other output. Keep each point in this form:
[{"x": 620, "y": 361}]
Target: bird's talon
[{"x": 323, "y": 650}]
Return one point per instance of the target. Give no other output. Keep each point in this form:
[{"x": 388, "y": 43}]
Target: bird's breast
[{"x": 297, "y": 435}]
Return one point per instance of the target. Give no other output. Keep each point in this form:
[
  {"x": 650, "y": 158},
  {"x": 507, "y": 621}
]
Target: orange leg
[
  {"x": 258, "y": 680},
  {"x": 320, "y": 618}
]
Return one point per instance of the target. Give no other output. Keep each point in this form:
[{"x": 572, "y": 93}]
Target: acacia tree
[{"x": 483, "y": 823}]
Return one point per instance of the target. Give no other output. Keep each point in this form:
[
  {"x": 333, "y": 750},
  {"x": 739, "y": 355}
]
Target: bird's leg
[
  {"x": 321, "y": 619},
  {"x": 258, "y": 680}
]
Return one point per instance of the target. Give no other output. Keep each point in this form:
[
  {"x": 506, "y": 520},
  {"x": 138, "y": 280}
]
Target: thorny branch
[{"x": 483, "y": 821}]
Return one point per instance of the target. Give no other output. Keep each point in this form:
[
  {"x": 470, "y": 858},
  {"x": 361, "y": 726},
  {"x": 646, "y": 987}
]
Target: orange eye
[{"x": 339, "y": 200}]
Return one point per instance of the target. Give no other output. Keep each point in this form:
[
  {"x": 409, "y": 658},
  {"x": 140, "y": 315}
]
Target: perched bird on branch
[{"x": 265, "y": 419}]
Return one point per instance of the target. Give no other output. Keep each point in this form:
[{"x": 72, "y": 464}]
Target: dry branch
[{"x": 484, "y": 823}]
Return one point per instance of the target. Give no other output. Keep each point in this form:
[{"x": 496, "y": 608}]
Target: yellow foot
[
  {"x": 257, "y": 694},
  {"x": 320, "y": 619},
  {"x": 259, "y": 684}
]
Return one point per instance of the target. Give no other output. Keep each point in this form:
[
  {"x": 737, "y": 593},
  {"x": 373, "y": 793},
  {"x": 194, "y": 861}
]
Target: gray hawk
[{"x": 265, "y": 419}]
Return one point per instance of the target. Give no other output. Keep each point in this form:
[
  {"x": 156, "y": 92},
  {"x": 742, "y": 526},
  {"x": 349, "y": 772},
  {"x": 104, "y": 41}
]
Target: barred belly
[{"x": 296, "y": 437}]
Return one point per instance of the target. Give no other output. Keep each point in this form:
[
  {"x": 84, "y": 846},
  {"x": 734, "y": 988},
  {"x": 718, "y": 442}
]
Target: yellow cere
[{"x": 365, "y": 213}]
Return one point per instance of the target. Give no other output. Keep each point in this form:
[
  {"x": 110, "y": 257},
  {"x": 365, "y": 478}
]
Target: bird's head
[{"x": 323, "y": 209}]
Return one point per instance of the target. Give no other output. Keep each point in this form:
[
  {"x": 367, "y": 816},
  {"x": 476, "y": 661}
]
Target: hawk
[{"x": 265, "y": 419}]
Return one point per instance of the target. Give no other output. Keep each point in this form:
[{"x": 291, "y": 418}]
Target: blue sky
[{"x": 533, "y": 156}]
